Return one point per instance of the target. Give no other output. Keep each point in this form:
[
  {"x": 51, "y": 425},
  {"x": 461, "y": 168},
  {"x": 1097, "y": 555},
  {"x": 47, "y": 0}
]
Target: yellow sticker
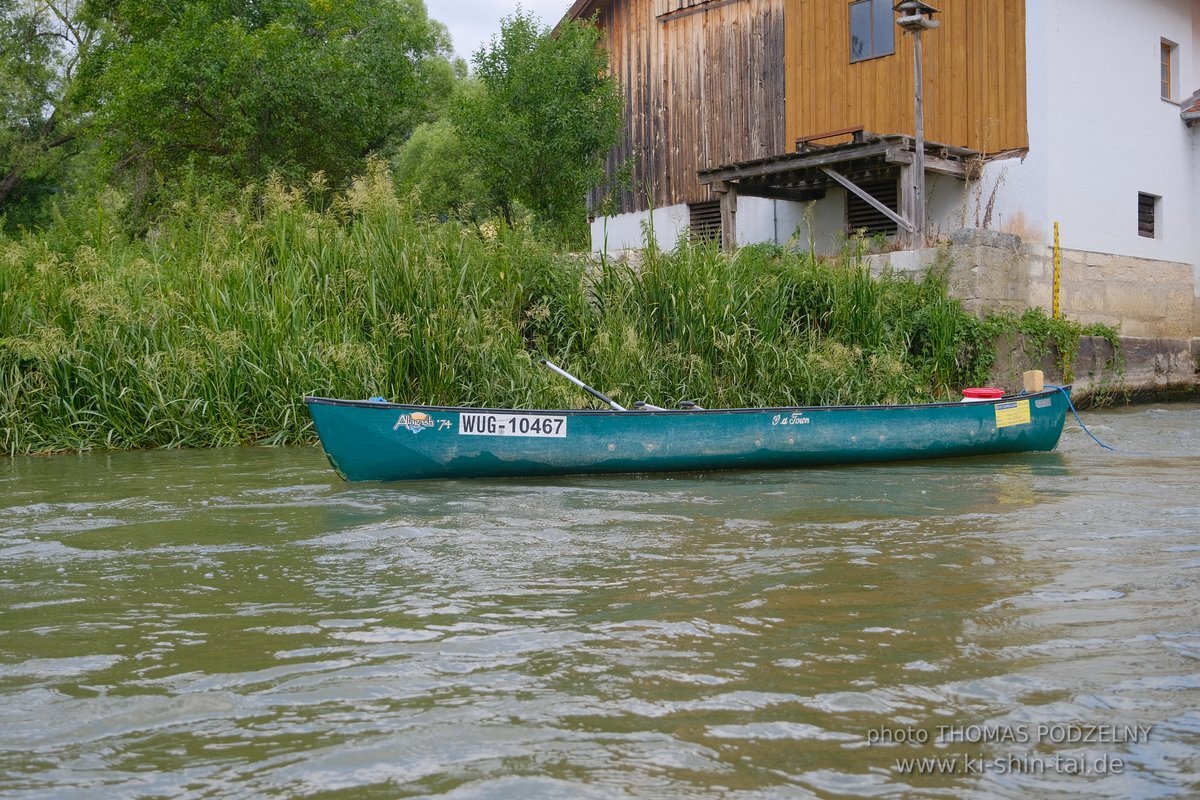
[{"x": 1014, "y": 413}]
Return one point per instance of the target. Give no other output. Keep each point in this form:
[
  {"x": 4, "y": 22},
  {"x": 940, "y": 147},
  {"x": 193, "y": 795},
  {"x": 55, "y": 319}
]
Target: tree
[
  {"x": 42, "y": 45},
  {"x": 236, "y": 89},
  {"x": 434, "y": 167},
  {"x": 542, "y": 118}
]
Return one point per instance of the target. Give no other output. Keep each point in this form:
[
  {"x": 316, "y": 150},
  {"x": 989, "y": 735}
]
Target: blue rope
[{"x": 1077, "y": 419}]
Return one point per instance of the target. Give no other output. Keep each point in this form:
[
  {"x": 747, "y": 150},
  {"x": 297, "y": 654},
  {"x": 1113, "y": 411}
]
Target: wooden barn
[
  {"x": 1056, "y": 156},
  {"x": 784, "y": 100}
]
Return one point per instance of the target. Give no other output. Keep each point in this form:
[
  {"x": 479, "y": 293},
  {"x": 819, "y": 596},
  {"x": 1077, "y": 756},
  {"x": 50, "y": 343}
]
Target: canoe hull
[{"x": 368, "y": 440}]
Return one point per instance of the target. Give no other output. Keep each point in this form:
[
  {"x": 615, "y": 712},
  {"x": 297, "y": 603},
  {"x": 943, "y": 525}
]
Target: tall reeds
[{"x": 209, "y": 329}]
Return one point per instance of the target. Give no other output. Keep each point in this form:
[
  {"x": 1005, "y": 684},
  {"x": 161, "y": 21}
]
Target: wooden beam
[
  {"x": 857, "y": 131},
  {"x": 781, "y": 193},
  {"x": 793, "y": 163},
  {"x": 867, "y": 198},
  {"x": 942, "y": 166}
]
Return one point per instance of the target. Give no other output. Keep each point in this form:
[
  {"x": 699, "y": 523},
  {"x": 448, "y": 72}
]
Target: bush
[{"x": 211, "y": 328}]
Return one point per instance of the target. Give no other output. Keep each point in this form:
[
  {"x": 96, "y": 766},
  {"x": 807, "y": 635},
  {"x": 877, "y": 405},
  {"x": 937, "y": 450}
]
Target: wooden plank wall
[
  {"x": 704, "y": 86},
  {"x": 974, "y": 75}
]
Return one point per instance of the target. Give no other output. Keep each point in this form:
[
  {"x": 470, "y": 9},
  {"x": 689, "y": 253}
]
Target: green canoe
[{"x": 381, "y": 441}]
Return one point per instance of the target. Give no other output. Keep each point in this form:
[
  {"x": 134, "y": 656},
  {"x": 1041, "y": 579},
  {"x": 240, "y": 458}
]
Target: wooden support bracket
[{"x": 867, "y": 198}]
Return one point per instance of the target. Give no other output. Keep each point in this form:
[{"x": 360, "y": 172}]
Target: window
[
  {"x": 872, "y": 29},
  {"x": 1168, "y": 59},
  {"x": 704, "y": 221},
  {"x": 1147, "y": 215}
]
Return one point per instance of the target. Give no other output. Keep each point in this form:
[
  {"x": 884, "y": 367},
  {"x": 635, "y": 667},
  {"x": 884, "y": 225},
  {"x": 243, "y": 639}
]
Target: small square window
[
  {"x": 1148, "y": 215},
  {"x": 872, "y": 29}
]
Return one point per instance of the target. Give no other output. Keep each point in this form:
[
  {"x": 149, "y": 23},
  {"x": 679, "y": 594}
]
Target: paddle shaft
[{"x": 584, "y": 386}]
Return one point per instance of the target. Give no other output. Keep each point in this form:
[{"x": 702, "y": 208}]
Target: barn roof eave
[{"x": 584, "y": 8}]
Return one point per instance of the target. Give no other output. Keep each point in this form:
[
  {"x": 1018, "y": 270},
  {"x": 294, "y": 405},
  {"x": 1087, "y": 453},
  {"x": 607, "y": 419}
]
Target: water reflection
[{"x": 239, "y": 623}]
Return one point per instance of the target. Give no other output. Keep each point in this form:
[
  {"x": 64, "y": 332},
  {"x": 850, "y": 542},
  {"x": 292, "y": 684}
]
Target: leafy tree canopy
[
  {"x": 241, "y": 88},
  {"x": 41, "y": 46},
  {"x": 435, "y": 171},
  {"x": 542, "y": 118}
]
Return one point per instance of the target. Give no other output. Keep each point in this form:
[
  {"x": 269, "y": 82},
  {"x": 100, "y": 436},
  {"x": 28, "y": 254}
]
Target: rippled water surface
[{"x": 240, "y": 623}]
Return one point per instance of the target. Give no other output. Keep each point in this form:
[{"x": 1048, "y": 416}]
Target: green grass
[{"x": 210, "y": 328}]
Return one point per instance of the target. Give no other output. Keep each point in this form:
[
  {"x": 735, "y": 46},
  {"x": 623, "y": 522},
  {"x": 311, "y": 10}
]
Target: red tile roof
[{"x": 1191, "y": 114}]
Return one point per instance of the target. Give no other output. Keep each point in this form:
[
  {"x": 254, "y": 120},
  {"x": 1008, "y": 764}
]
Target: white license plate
[{"x": 512, "y": 425}]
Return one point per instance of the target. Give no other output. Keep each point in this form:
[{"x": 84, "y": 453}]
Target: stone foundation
[{"x": 1153, "y": 305}]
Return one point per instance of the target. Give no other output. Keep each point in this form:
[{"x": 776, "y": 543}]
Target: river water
[{"x": 241, "y": 624}]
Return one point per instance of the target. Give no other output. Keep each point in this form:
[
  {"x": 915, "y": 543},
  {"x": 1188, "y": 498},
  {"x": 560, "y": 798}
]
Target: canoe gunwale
[{"x": 608, "y": 412}]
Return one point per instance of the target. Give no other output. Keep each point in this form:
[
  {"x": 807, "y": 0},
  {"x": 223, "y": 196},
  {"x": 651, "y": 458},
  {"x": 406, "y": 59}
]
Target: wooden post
[
  {"x": 728, "y": 193},
  {"x": 917, "y": 16},
  {"x": 918, "y": 217},
  {"x": 906, "y": 237},
  {"x": 1057, "y": 310}
]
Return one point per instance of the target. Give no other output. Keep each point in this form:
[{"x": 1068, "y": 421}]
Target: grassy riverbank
[{"x": 210, "y": 328}]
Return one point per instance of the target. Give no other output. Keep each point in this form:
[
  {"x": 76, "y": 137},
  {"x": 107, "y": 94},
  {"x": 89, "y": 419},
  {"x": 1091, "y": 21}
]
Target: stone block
[
  {"x": 1157, "y": 362},
  {"x": 983, "y": 237},
  {"x": 993, "y": 270}
]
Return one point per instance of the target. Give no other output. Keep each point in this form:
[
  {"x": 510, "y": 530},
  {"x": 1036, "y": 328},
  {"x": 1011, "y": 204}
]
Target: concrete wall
[
  {"x": 1155, "y": 318},
  {"x": 629, "y": 231},
  {"x": 758, "y": 220},
  {"x": 993, "y": 270}
]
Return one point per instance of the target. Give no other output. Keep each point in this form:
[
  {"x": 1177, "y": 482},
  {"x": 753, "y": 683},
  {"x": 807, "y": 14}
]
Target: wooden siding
[
  {"x": 705, "y": 83},
  {"x": 703, "y": 86},
  {"x": 974, "y": 76}
]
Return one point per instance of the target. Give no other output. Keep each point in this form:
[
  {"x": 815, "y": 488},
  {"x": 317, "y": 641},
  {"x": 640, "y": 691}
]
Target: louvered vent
[
  {"x": 704, "y": 221},
  {"x": 860, "y": 215}
]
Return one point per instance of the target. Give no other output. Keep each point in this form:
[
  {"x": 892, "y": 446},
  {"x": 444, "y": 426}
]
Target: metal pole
[{"x": 919, "y": 153}]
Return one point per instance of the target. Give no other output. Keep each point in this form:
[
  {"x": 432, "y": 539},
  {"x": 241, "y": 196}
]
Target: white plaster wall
[
  {"x": 1195, "y": 84},
  {"x": 778, "y": 221},
  {"x": 789, "y": 217},
  {"x": 1195, "y": 133},
  {"x": 1100, "y": 133},
  {"x": 947, "y": 204},
  {"x": 821, "y": 225},
  {"x": 628, "y": 231},
  {"x": 756, "y": 220}
]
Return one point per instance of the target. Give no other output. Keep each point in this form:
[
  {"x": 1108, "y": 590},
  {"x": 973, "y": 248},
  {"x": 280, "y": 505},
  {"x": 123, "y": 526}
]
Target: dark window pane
[
  {"x": 1146, "y": 215},
  {"x": 860, "y": 30},
  {"x": 884, "y": 30}
]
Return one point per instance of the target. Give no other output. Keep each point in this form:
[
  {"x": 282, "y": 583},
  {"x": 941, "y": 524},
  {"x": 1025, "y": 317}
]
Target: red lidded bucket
[{"x": 982, "y": 393}]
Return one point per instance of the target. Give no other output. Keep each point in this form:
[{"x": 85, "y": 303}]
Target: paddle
[{"x": 584, "y": 386}]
